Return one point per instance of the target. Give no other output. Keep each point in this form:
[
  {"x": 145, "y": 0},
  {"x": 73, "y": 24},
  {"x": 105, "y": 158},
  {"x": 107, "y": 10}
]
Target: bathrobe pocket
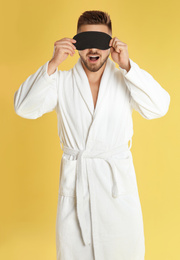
[
  {"x": 125, "y": 174},
  {"x": 67, "y": 177}
]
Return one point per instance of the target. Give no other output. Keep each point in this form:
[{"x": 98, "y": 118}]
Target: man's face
[{"x": 103, "y": 54}]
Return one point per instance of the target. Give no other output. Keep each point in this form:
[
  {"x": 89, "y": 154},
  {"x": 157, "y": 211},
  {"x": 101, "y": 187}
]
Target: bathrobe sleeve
[
  {"x": 146, "y": 95},
  {"x": 37, "y": 95}
]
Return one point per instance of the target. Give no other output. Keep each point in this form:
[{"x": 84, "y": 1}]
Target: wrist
[
  {"x": 53, "y": 63},
  {"x": 52, "y": 66},
  {"x": 127, "y": 67}
]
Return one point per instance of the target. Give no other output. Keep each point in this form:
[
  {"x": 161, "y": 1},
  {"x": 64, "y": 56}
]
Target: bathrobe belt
[{"x": 108, "y": 157}]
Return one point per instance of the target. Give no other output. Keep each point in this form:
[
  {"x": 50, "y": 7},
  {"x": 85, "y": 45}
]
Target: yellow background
[{"x": 30, "y": 152}]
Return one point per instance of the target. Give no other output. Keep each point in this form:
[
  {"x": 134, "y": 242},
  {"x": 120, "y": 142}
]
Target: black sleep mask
[{"x": 92, "y": 39}]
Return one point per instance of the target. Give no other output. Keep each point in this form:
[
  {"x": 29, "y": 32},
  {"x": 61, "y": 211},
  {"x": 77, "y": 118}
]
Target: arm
[
  {"x": 146, "y": 95},
  {"x": 37, "y": 95}
]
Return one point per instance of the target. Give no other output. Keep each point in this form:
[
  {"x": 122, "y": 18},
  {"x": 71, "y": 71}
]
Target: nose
[{"x": 93, "y": 49}]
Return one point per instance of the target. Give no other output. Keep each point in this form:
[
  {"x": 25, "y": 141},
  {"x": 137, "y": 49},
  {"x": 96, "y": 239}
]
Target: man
[{"x": 99, "y": 213}]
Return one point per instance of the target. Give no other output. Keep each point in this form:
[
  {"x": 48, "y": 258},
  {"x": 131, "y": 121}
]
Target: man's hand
[
  {"x": 119, "y": 53},
  {"x": 62, "y": 49}
]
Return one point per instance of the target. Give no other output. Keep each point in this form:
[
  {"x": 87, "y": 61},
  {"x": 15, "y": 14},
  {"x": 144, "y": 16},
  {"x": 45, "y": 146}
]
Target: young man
[{"x": 99, "y": 213}]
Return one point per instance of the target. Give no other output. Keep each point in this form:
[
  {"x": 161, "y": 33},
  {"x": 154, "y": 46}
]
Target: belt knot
[{"x": 107, "y": 155}]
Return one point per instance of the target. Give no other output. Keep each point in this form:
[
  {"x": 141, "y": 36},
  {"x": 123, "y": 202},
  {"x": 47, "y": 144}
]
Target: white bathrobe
[{"x": 99, "y": 214}]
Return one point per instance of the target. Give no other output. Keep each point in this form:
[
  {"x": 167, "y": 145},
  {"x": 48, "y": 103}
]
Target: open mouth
[{"x": 93, "y": 58}]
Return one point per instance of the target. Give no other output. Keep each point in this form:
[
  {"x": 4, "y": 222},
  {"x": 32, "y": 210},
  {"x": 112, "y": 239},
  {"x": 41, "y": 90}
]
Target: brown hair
[{"x": 94, "y": 17}]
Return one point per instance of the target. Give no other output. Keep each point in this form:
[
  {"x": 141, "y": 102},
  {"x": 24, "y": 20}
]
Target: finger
[
  {"x": 120, "y": 44},
  {"x": 68, "y": 51},
  {"x": 65, "y": 43},
  {"x": 119, "y": 48},
  {"x": 110, "y": 43},
  {"x": 69, "y": 42},
  {"x": 67, "y": 47},
  {"x": 116, "y": 40},
  {"x": 72, "y": 52},
  {"x": 69, "y": 39}
]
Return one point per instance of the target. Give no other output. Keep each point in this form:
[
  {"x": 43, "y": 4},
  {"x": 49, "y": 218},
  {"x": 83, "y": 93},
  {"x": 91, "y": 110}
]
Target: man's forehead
[{"x": 94, "y": 27}]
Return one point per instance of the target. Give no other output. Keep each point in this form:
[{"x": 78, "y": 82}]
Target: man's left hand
[{"x": 119, "y": 53}]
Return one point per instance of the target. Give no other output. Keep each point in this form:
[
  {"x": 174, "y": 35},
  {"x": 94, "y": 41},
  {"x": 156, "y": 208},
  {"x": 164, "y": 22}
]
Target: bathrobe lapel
[{"x": 83, "y": 85}]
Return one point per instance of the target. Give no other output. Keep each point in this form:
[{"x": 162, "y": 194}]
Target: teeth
[{"x": 94, "y": 56}]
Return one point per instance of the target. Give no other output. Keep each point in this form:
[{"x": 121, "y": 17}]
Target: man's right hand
[{"x": 62, "y": 49}]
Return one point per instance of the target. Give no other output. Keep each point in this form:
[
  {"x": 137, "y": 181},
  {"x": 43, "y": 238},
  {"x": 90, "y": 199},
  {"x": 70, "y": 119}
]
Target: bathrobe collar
[{"x": 83, "y": 85}]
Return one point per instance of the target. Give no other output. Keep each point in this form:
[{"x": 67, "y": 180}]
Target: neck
[{"x": 94, "y": 77}]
